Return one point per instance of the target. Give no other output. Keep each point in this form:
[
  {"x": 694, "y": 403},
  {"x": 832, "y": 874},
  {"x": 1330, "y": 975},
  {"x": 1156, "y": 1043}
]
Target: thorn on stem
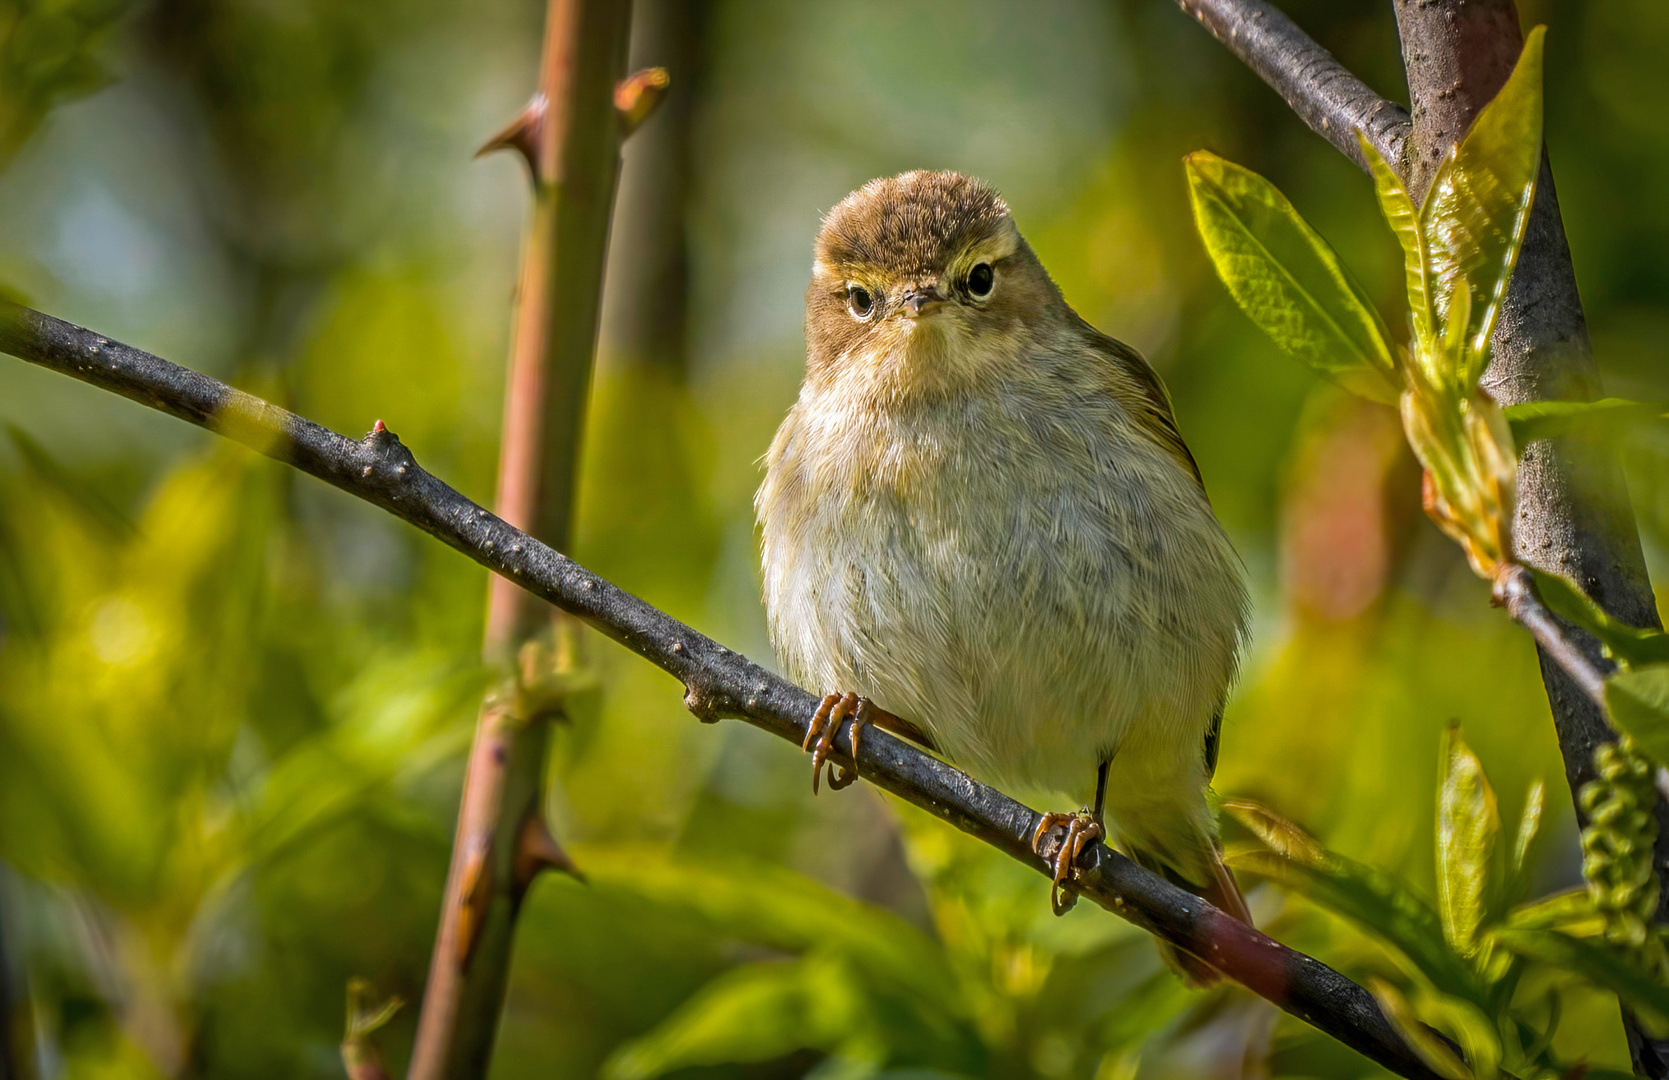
[
  {"x": 637, "y": 95},
  {"x": 525, "y": 135},
  {"x": 538, "y": 851}
]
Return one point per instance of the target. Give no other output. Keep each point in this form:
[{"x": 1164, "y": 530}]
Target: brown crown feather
[{"x": 905, "y": 225}]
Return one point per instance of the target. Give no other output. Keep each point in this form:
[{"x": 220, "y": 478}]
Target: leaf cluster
[
  {"x": 1459, "y": 247},
  {"x": 1484, "y": 969}
]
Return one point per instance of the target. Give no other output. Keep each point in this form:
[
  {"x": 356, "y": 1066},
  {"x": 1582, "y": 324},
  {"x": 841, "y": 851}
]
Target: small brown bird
[{"x": 982, "y": 528}]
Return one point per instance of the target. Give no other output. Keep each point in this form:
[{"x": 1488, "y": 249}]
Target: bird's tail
[{"x": 1202, "y": 872}]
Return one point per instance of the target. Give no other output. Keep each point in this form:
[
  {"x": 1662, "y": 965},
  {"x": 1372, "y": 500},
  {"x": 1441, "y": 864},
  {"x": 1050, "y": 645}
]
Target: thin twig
[
  {"x": 1322, "y": 91},
  {"x": 719, "y": 682},
  {"x": 1515, "y": 590}
]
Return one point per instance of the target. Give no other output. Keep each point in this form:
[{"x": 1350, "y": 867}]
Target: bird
[{"x": 981, "y": 529}]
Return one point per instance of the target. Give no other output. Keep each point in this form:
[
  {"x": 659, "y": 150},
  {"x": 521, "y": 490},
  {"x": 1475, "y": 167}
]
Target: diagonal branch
[
  {"x": 719, "y": 682},
  {"x": 1324, "y": 94}
]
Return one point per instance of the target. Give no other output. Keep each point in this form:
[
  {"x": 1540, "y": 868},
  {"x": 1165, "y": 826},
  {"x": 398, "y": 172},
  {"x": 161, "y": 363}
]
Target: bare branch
[
  {"x": 1326, "y": 96},
  {"x": 719, "y": 683}
]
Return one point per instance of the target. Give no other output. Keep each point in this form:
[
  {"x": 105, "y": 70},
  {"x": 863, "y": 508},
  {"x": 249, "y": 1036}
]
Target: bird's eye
[
  {"x": 858, "y": 301},
  {"x": 980, "y": 280}
]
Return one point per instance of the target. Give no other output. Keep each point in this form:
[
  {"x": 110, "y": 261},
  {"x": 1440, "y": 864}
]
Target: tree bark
[{"x": 1573, "y": 515}]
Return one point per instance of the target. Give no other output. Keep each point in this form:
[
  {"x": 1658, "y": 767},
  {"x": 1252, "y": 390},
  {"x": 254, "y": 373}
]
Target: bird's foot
[
  {"x": 820, "y": 737},
  {"x": 1081, "y": 828}
]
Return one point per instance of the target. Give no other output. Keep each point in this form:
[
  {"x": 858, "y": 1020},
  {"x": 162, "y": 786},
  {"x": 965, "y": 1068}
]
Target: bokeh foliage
[{"x": 232, "y": 704}]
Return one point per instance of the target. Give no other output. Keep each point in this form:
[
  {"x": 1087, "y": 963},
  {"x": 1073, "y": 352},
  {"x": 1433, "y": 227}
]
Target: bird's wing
[{"x": 1140, "y": 389}]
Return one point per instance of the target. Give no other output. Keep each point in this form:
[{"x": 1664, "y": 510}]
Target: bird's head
[{"x": 921, "y": 283}]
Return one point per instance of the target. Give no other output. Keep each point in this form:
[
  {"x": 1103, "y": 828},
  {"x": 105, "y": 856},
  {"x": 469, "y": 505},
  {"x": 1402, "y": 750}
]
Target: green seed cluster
[{"x": 1617, "y": 853}]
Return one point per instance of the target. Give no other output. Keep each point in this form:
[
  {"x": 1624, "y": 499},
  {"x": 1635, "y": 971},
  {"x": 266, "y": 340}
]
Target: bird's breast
[{"x": 1016, "y": 570}]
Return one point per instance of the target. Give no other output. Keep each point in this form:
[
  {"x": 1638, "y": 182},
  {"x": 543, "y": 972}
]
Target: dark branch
[
  {"x": 719, "y": 683},
  {"x": 1326, "y": 96}
]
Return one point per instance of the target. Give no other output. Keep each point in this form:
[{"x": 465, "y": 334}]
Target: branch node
[
  {"x": 638, "y": 95},
  {"x": 706, "y": 706},
  {"x": 525, "y": 134}
]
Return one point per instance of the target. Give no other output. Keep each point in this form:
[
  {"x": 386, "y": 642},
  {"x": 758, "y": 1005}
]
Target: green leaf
[
  {"x": 1287, "y": 279},
  {"x": 1468, "y": 834},
  {"x": 750, "y": 1014},
  {"x": 1638, "y": 701},
  {"x": 1473, "y": 217},
  {"x": 1404, "y": 220},
  {"x": 1548, "y": 419},
  {"x": 1375, "y": 901},
  {"x": 1524, "y": 843},
  {"x": 1436, "y": 1053},
  {"x": 1571, "y": 911},
  {"x": 776, "y": 908},
  {"x": 1598, "y": 965},
  {"x": 1629, "y": 645}
]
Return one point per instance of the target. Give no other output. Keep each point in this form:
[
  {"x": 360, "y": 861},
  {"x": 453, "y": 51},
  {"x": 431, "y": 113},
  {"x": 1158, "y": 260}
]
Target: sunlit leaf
[
  {"x": 1404, "y": 220},
  {"x": 1467, "y": 1025},
  {"x": 1373, "y": 900},
  {"x": 1638, "y": 701},
  {"x": 1598, "y": 965},
  {"x": 1628, "y": 644},
  {"x": 1548, "y": 419},
  {"x": 1278, "y": 833},
  {"x": 754, "y": 1013},
  {"x": 1468, "y": 833},
  {"x": 1287, "y": 279},
  {"x": 1524, "y": 842},
  {"x": 1571, "y": 911},
  {"x": 1474, "y": 214},
  {"x": 1436, "y": 1053}
]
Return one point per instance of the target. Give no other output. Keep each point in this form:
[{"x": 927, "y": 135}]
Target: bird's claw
[
  {"x": 1081, "y": 829},
  {"x": 820, "y": 737}
]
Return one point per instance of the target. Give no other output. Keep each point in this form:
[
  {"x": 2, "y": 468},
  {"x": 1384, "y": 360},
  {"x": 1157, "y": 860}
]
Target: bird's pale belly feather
[{"x": 1047, "y": 595}]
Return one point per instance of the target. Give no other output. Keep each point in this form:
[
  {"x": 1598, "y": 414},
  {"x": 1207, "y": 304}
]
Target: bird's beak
[{"x": 918, "y": 302}]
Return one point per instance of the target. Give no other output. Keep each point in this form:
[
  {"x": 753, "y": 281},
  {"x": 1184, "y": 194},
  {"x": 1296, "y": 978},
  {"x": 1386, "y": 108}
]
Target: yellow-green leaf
[
  {"x": 1287, "y": 279},
  {"x": 1436, "y": 1053},
  {"x": 1524, "y": 844},
  {"x": 1473, "y": 217},
  {"x": 1404, "y": 220},
  {"x": 1598, "y": 965},
  {"x": 1571, "y": 911},
  {"x": 1546, "y": 419},
  {"x": 1639, "y": 704},
  {"x": 1375, "y": 901},
  {"x": 1468, "y": 832},
  {"x": 1629, "y": 645}
]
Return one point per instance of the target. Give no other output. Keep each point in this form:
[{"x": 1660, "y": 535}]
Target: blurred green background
[{"x": 234, "y": 703}]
